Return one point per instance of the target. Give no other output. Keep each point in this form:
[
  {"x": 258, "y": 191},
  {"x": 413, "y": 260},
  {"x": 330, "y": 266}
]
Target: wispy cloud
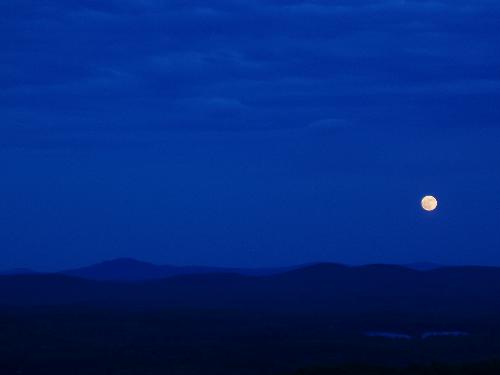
[{"x": 247, "y": 64}]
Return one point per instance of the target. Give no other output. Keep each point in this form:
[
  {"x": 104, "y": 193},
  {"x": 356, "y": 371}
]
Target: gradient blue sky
[{"x": 247, "y": 132}]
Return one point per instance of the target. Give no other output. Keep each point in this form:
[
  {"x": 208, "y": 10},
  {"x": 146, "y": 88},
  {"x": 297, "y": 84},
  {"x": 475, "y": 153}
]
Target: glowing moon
[{"x": 429, "y": 203}]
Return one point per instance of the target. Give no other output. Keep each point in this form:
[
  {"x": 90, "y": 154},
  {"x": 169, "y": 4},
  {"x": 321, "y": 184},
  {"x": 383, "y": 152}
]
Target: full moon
[{"x": 429, "y": 203}]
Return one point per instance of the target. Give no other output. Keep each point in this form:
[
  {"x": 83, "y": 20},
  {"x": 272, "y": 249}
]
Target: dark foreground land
[
  {"x": 82, "y": 340},
  {"x": 233, "y": 324},
  {"x": 483, "y": 368}
]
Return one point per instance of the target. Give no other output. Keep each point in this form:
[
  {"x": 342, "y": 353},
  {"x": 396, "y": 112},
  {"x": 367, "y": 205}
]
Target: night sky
[{"x": 249, "y": 133}]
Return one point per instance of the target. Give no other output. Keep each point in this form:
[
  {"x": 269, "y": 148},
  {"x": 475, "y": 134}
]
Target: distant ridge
[
  {"x": 131, "y": 270},
  {"x": 125, "y": 269},
  {"x": 324, "y": 287},
  {"x": 128, "y": 269},
  {"x": 18, "y": 271},
  {"x": 424, "y": 266}
]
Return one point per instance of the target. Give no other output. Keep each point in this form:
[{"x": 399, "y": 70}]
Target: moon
[{"x": 429, "y": 203}]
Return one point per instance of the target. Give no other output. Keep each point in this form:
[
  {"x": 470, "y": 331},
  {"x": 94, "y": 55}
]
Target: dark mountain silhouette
[
  {"x": 423, "y": 266},
  {"x": 122, "y": 269},
  {"x": 18, "y": 271},
  {"x": 321, "y": 287},
  {"x": 221, "y": 323},
  {"x": 127, "y": 269}
]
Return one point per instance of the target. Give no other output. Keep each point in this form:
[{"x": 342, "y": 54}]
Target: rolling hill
[
  {"x": 322, "y": 287},
  {"x": 127, "y": 269}
]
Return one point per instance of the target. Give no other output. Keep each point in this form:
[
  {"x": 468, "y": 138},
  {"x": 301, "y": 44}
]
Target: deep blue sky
[{"x": 247, "y": 132}]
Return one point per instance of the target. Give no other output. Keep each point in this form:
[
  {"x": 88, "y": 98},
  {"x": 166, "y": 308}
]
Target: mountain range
[
  {"x": 322, "y": 287},
  {"x": 135, "y": 317},
  {"x": 129, "y": 269}
]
